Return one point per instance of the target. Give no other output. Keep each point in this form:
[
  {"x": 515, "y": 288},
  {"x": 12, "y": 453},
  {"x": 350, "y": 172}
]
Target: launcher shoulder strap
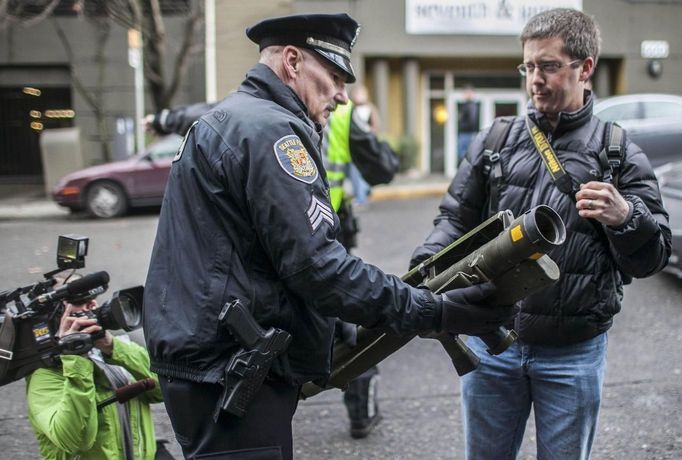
[
  {"x": 494, "y": 141},
  {"x": 612, "y": 153}
]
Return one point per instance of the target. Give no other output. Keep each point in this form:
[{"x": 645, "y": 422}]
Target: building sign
[
  {"x": 476, "y": 17},
  {"x": 655, "y": 49}
]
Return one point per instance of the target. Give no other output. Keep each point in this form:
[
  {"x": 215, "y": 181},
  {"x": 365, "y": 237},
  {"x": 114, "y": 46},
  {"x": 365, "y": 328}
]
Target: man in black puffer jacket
[{"x": 557, "y": 365}]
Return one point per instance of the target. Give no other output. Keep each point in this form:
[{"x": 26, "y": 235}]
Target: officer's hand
[
  {"x": 346, "y": 332},
  {"x": 465, "y": 310}
]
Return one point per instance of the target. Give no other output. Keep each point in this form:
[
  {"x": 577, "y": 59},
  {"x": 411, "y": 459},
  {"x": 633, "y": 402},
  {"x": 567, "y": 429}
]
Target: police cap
[{"x": 331, "y": 35}]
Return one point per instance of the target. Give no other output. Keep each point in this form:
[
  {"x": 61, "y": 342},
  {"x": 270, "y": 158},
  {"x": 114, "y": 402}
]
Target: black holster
[{"x": 349, "y": 226}]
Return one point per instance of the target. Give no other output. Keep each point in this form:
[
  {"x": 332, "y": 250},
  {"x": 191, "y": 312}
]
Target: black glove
[
  {"x": 346, "y": 332},
  {"x": 465, "y": 311},
  {"x": 419, "y": 256}
]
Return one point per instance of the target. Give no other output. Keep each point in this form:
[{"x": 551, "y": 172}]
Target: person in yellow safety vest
[
  {"x": 349, "y": 138},
  {"x": 337, "y": 160},
  {"x": 337, "y": 151}
]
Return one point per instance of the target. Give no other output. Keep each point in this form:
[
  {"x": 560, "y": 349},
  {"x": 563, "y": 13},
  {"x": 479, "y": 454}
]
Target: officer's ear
[{"x": 292, "y": 57}]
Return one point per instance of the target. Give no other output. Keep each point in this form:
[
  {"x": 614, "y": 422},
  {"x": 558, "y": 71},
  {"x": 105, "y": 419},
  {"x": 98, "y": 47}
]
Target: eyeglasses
[{"x": 546, "y": 68}]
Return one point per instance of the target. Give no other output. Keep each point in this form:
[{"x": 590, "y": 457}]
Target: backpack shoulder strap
[
  {"x": 492, "y": 145},
  {"x": 612, "y": 153},
  {"x": 611, "y": 159}
]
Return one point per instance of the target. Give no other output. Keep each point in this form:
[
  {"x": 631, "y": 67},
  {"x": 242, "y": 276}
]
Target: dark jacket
[
  {"x": 582, "y": 303},
  {"x": 468, "y": 117},
  {"x": 246, "y": 215},
  {"x": 375, "y": 159}
]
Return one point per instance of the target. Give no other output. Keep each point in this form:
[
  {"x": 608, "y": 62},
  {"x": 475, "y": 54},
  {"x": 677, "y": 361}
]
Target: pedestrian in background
[
  {"x": 366, "y": 115},
  {"x": 616, "y": 229},
  {"x": 467, "y": 122}
]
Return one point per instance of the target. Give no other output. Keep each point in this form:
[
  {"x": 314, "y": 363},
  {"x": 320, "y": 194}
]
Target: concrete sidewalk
[{"x": 26, "y": 200}]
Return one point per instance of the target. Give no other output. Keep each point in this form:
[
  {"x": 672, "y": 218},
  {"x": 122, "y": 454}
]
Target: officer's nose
[{"x": 341, "y": 95}]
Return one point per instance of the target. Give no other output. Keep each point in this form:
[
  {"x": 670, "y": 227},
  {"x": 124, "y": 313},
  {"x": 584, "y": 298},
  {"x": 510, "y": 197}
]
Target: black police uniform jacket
[
  {"x": 582, "y": 303},
  {"x": 246, "y": 215}
]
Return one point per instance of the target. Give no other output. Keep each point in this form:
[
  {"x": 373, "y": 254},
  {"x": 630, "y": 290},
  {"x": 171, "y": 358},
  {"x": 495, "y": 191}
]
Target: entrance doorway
[
  {"x": 490, "y": 103},
  {"x": 24, "y": 113}
]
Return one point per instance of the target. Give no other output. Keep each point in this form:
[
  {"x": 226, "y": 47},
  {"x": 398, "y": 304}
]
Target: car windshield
[
  {"x": 165, "y": 148},
  {"x": 662, "y": 109},
  {"x": 619, "y": 112},
  {"x": 639, "y": 107}
]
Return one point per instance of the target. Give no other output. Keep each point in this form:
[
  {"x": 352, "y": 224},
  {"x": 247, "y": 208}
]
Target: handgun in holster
[
  {"x": 248, "y": 367},
  {"x": 348, "y": 236}
]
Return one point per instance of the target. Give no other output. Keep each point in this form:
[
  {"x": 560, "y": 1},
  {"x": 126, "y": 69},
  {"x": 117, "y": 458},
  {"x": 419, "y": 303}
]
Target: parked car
[
  {"x": 670, "y": 180},
  {"x": 111, "y": 189},
  {"x": 652, "y": 121}
]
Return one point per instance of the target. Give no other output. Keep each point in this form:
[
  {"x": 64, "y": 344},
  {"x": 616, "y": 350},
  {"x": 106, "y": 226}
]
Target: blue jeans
[
  {"x": 463, "y": 141},
  {"x": 361, "y": 188},
  {"x": 563, "y": 384}
]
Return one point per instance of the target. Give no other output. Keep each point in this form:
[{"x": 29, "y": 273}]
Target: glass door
[{"x": 480, "y": 105}]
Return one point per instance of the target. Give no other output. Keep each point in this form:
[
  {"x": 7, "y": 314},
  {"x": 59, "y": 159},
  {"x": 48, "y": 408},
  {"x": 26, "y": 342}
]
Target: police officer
[
  {"x": 349, "y": 137},
  {"x": 246, "y": 216}
]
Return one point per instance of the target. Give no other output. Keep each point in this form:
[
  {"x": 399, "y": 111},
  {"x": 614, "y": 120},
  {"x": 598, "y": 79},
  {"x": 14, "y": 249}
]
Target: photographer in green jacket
[{"x": 62, "y": 401}]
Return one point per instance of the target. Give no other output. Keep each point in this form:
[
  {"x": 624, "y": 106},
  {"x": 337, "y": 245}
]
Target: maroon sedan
[{"x": 110, "y": 189}]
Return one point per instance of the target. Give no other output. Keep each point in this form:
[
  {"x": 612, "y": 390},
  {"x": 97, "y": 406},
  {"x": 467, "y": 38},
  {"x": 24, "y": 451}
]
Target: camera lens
[
  {"x": 131, "y": 314},
  {"x": 121, "y": 312}
]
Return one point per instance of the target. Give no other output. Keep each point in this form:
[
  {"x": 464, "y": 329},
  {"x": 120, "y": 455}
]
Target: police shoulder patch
[{"x": 294, "y": 159}]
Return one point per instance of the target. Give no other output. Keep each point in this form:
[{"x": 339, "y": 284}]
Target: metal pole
[
  {"x": 139, "y": 101},
  {"x": 136, "y": 61},
  {"x": 211, "y": 80}
]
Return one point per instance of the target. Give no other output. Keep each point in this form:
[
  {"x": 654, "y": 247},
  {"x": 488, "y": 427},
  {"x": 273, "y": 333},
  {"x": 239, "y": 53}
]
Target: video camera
[{"x": 30, "y": 315}]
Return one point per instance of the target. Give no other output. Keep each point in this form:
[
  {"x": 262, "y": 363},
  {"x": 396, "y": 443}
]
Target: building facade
[
  {"x": 417, "y": 57},
  {"x": 55, "y": 73}
]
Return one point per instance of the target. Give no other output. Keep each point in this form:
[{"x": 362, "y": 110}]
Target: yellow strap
[{"x": 549, "y": 158}]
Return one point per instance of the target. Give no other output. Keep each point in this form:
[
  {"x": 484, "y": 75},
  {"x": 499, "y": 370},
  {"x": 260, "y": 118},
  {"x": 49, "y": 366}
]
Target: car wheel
[{"x": 106, "y": 199}]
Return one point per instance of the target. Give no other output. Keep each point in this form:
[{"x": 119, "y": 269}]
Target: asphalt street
[{"x": 641, "y": 414}]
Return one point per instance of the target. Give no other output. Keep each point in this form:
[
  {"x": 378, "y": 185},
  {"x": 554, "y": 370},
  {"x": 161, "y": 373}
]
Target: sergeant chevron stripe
[{"x": 319, "y": 212}]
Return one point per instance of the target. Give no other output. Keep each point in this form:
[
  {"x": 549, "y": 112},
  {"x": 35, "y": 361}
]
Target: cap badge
[
  {"x": 327, "y": 46},
  {"x": 355, "y": 38}
]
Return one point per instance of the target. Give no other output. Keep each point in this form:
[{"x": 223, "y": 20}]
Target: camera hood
[{"x": 123, "y": 310}]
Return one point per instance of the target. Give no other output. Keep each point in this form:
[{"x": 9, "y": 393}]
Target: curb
[
  {"x": 402, "y": 192},
  {"x": 16, "y": 208},
  {"x": 35, "y": 209}
]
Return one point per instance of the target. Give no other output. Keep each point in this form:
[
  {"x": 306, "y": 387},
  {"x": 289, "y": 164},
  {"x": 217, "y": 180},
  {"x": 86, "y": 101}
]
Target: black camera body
[{"x": 30, "y": 315}]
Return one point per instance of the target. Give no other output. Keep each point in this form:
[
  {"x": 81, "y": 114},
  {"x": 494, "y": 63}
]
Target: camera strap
[
  {"x": 549, "y": 158},
  {"x": 7, "y": 335},
  {"x": 610, "y": 159},
  {"x": 117, "y": 377}
]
